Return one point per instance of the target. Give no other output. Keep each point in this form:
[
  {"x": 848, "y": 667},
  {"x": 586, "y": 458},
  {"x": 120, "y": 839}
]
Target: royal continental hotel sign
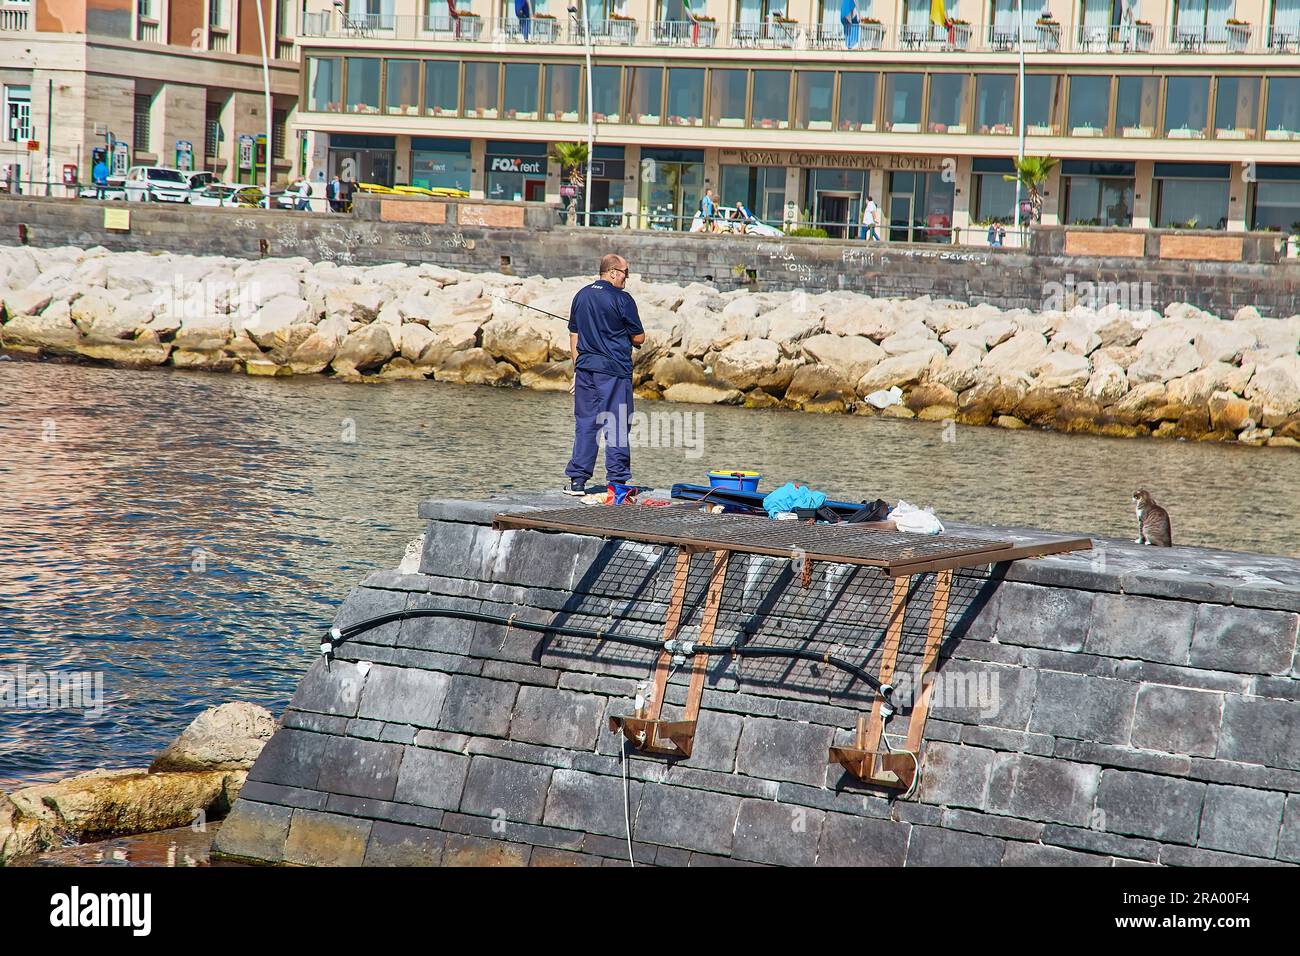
[{"x": 807, "y": 160}]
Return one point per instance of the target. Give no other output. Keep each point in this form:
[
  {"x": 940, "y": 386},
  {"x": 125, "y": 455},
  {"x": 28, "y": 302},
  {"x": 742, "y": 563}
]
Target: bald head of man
[{"x": 613, "y": 269}]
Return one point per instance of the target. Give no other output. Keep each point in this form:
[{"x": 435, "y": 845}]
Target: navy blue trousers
[{"x": 602, "y": 405}]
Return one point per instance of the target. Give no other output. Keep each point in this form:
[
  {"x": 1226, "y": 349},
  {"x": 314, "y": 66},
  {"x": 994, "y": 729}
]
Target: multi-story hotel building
[
  {"x": 151, "y": 81},
  {"x": 1161, "y": 112}
]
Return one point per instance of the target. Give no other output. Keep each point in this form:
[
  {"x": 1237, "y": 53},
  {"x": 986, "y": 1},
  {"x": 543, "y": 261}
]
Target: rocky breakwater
[
  {"x": 196, "y": 778},
  {"x": 1183, "y": 373}
]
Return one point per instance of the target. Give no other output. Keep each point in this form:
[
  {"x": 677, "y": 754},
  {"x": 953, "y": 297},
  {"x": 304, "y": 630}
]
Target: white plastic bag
[
  {"x": 908, "y": 517},
  {"x": 886, "y": 397}
]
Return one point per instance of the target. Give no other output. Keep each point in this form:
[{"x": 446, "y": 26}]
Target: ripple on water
[{"x": 186, "y": 536}]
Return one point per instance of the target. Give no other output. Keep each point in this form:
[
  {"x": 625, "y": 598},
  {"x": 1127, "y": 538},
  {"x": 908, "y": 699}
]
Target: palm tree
[
  {"x": 1032, "y": 172},
  {"x": 572, "y": 158}
]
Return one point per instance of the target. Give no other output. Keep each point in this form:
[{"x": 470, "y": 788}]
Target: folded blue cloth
[{"x": 790, "y": 496}]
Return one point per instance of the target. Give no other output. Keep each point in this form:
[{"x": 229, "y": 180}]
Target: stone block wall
[
  {"x": 1121, "y": 706},
  {"x": 481, "y": 236}
]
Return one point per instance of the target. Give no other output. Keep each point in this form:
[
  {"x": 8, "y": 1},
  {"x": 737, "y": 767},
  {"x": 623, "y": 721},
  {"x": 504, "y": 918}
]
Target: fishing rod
[{"x": 562, "y": 318}]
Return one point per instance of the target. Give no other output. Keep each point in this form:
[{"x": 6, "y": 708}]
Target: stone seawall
[
  {"x": 1074, "y": 367},
  {"x": 1130, "y": 706}
]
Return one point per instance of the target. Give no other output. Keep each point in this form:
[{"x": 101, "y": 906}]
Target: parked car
[
  {"x": 216, "y": 194},
  {"x": 115, "y": 189},
  {"x": 201, "y": 180},
  {"x": 156, "y": 184}
]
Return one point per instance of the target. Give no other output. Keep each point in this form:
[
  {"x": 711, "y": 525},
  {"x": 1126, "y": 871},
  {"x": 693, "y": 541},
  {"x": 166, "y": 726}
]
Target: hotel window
[
  {"x": 481, "y": 94},
  {"x": 441, "y": 87},
  {"x": 1089, "y": 111},
  {"x": 858, "y": 101},
  {"x": 995, "y": 197},
  {"x": 751, "y": 12},
  {"x": 1282, "y": 120},
  {"x": 372, "y": 14},
  {"x": 1099, "y": 23},
  {"x": 402, "y": 91},
  {"x": 1005, "y": 34},
  {"x": 211, "y": 128},
  {"x": 1187, "y": 101},
  {"x": 521, "y": 91},
  {"x": 903, "y": 102},
  {"x": 917, "y": 28},
  {"x": 1136, "y": 107},
  {"x": 607, "y": 92},
  {"x": 1042, "y": 105},
  {"x": 143, "y": 108},
  {"x": 1275, "y": 198},
  {"x": 363, "y": 84},
  {"x": 217, "y": 14},
  {"x": 18, "y": 114},
  {"x": 324, "y": 84},
  {"x": 645, "y": 94},
  {"x": 1236, "y": 107},
  {"x": 995, "y": 103},
  {"x": 727, "y": 92},
  {"x": 1284, "y": 28},
  {"x": 949, "y": 102},
  {"x": 1200, "y": 21},
  {"x": 813, "y": 103},
  {"x": 685, "y": 96},
  {"x": 1191, "y": 195},
  {"x": 279, "y": 121},
  {"x": 1098, "y": 193},
  {"x": 284, "y": 18},
  {"x": 563, "y": 93},
  {"x": 771, "y": 107}
]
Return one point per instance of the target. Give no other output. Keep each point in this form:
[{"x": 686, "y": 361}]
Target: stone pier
[{"x": 1119, "y": 706}]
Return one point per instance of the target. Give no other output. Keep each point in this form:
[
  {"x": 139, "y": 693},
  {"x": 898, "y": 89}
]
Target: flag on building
[{"x": 938, "y": 14}]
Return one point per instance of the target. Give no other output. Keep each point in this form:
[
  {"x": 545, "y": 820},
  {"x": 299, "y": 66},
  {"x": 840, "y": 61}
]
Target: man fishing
[{"x": 604, "y": 327}]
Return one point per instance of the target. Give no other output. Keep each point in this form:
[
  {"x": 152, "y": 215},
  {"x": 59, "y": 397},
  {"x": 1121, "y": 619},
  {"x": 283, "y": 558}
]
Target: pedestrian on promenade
[
  {"x": 708, "y": 211},
  {"x": 100, "y": 175},
  {"x": 304, "y": 196},
  {"x": 604, "y": 327},
  {"x": 870, "y": 218},
  {"x": 334, "y": 194}
]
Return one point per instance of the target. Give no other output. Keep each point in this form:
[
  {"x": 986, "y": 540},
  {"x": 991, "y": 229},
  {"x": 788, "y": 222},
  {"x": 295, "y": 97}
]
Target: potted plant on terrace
[
  {"x": 871, "y": 33},
  {"x": 1238, "y": 35},
  {"x": 1049, "y": 32}
]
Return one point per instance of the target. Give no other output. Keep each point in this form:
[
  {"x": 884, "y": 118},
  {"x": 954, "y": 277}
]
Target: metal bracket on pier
[{"x": 676, "y": 738}]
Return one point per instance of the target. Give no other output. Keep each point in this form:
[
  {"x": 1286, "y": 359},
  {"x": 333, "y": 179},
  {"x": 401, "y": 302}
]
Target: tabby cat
[{"x": 1153, "y": 521}]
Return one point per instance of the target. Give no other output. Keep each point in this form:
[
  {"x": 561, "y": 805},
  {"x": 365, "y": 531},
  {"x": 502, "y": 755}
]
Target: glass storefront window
[
  {"x": 1236, "y": 107},
  {"x": 1276, "y": 202},
  {"x": 771, "y": 106},
  {"x": 521, "y": 91},
  {"x": 516, "y": 171},
  {"x": 324, "y": 84},
  {"x": 1089, "y": 111},
  {"x": 363, "y": 84},
  {"x": 402, "y": 94},
  {"x": 995, "y": 199},
  {"x": 645, "y": 93},
  {"x": 672, "y": 184},
  {"x": 727, "y": 89},
  {"x": 1042, "y": 105},
  {"x": 919, "y": 207},
  {"x": 858, "y": 102},
  {"x": 833, "y": 201},
  {"x": 481, "y": 93},
  {"x": 1191, "y": 195},
  {"x": 1135, "y": 107},
  {"x": 814, "y": 93},
  {"x": 1282, "y": 120},
  {"x": 760, "y": 188},
  {"x": 444, "y": 167},
  {"x": 685, "y": 96},
  {"x": 563, "y": 93},
  {"x": 949, "y": 102},
  {"x": 1187, "y": 100},
  {"x": 607, "y": 92},
  {"x": 995, "y": 103},
  {"x": 441, "y": 87},
  {"x": 903, "y": 102}
]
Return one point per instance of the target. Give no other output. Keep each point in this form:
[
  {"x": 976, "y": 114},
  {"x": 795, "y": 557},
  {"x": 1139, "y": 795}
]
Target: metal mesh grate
[{"x": 846, "y": 543}]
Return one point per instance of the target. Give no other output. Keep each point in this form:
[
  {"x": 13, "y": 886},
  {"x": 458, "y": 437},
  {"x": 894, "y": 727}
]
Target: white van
[{"x": 156, "y": 184}]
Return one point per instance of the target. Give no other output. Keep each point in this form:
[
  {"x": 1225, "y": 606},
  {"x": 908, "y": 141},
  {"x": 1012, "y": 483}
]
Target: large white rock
[
  {"x": 521, "y": 342},
  {"x": 26, "y": 301},
  {"x": 368, "y": 347},
  {"x": 1107, "y": 384},
  {"x": 276, "y": 314},
  {"x": 1223, "y": 341},
  {"x": 1077, "y": 337},
  {"x": 700, "y": 330},
  {"x": 961, "y": 369},
  {"x": 227, "y": 737},
  {"x": 1276, "y": 386},
  {"x": 1165, "y": 352},
  {"x": 1196, "y": 388},
  {"x": 1015, "y": 359},
  {"x": 909, "y": 337},
  {"x": 848, "y": 355},
  {"x": 1062, "y": 370},
  {"x": 753, "y": 363},
  {"x": 901, "y": 370}
]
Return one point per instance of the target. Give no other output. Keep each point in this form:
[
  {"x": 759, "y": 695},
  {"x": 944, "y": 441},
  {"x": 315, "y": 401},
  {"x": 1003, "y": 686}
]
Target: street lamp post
[
  {"x": 591, "y": 118},
  {"x": 1020, "y": 31},
  {"x": 266, "y": 91}
]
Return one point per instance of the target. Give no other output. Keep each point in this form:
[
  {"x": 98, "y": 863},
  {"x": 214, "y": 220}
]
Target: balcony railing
[
  {"x": 148, "y": 31},
  {"x": 1040, "y": 37},
  {"x": 15, "y": 17}
]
